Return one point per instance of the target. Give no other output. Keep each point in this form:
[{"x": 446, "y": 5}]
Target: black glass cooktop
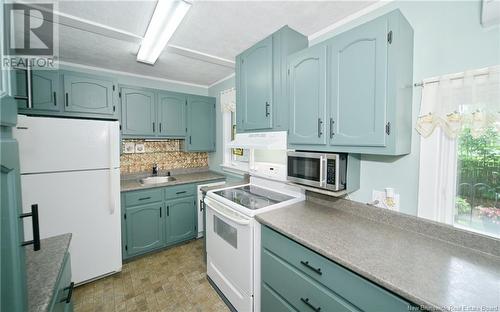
[{"x": 253, "y": 197}]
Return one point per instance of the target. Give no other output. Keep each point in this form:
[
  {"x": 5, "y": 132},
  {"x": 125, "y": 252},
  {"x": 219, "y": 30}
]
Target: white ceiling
[{"x": 219, "y": 28}]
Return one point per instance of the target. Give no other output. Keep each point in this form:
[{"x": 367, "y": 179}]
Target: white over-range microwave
[{"x": 320, "y": 170}]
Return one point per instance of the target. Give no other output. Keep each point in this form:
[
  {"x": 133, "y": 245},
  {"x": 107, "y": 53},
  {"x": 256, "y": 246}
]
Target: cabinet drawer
[
  {"x": 272, "y": 302},
  {"x": 298, "y": 289},
  {"x": 143, "y": 197},
  {"x": 180, "y": 191},
  {"x": 355, "y": 289}
]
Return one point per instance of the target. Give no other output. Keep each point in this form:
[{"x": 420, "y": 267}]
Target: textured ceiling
[{"x": 219, "y": 28}]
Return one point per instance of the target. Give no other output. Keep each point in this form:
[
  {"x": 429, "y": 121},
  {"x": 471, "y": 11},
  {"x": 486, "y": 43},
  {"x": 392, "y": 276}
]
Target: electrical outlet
[
  {"x": 129, "y": 148},
  {"x": 380, "y": 199}
]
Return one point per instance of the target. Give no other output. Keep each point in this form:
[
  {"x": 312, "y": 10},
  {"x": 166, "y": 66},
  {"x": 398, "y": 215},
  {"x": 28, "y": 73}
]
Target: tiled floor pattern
[{"x": 170, "y": 280}]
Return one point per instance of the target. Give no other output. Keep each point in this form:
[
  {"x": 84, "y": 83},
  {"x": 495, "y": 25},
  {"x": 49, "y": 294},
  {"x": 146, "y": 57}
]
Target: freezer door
[
  {"x": 59, "y": 144},
  {"x": 83, "y": 203}
]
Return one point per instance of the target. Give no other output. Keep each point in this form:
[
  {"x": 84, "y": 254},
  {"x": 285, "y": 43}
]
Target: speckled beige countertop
[
  {"x": 42, "y": 270},
  {"x": 432, "y": 265},
  {"x": 131, "y": 182}
]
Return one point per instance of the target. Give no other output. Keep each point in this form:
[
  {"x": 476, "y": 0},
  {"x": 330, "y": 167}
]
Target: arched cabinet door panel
[
  {"x": 138, "y": 112},
  {"x": 84, "y": 94},
  {"x": 359, "y": 86},
  {"x": 307, "y": 96}
]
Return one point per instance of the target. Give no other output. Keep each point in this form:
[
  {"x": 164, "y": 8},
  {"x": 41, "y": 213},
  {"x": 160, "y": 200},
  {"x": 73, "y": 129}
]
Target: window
[
  {"x": 233, "y": 158},
  {"x": 459, "y": 125}
]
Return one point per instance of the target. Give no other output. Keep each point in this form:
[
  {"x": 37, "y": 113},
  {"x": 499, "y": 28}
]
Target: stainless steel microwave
[{"x": 320, "y": 170}]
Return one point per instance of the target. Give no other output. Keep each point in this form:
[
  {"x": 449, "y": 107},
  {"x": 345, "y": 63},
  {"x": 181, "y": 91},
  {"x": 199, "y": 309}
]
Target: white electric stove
[{"x": 233, "y": 236}]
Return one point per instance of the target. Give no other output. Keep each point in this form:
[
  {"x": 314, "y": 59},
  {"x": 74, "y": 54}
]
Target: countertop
[
  {"x": 429, "y": 271},
  {"x": 42, "y": 270},
  {"x": 131, "y": 183}
]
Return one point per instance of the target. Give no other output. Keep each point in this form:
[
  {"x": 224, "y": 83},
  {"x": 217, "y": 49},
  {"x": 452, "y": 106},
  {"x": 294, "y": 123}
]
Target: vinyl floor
[{"x": 170, "y": 280}]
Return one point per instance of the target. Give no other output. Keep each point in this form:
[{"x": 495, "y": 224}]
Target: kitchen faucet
[{"x": 155, "y": 170}]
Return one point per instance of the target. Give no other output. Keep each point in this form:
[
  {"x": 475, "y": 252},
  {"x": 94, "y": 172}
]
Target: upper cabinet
[
  {"x": 201, "y": 124},
  {"x": 65, "y": 94},
  {"x": 171, "y": 114},
  {"x": 138, "y": 112},
  {"x": 369, "y": 73},
  {"x": 261, "y": 82},
  {"x": 256, "y": 85},
  {"x": 88, "y": 94},
  {"x": 307, "y": 96}
]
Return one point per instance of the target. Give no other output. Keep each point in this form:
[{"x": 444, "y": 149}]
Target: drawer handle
[
  {"x": 144, "y": 198},
  {"x": 181, "y": 192},
  {"x": 306, "y": 301},
  {"x": 307, "y": 265},
  {"x": 70, "y": 293}
]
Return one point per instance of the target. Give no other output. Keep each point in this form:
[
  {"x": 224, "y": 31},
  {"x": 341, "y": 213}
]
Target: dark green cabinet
[
  {"x": 261, "y": 74},
  {"x": 157, "y": 217},
  {"x": 86, "y": 94},
  {"x": 144, "y": 228},
  {"x": 180, "y": 219},
  {"x": 12, "y": 255},
  {"x": 172, "y": 114},
  {"x": 307, "y": 96},
  {"x": 138, "y": 112},
  {"x": 256, "y": 85},
  {"x": 201, "y": 124},
  {"x": 369, "y": 73},
  {"x": 293, "y": 275}
]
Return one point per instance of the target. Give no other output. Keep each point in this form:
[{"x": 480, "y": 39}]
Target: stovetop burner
[{"x": 252, "y": 197}]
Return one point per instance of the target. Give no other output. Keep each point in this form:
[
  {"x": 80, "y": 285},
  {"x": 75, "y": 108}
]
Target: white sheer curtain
[
  {"x": 450, "y": 103},
  {"x": 228, "y": 100}
]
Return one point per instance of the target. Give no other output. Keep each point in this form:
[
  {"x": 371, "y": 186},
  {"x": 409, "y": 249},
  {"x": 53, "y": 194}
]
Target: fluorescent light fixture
[{"x": 166, "y": 18}]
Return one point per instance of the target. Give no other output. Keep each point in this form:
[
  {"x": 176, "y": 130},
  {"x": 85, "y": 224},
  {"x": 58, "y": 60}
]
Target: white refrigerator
[{"x": 71, "y": 169}]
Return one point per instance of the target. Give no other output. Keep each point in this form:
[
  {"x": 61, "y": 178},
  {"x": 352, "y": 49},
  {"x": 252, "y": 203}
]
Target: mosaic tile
[
  {"x": 168, "y": 154},
  {"x": 170, "y": 280}
]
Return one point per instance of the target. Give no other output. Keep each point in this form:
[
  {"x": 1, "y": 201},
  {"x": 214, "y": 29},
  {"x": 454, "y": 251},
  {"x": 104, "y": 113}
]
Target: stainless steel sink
[{"x": 157, "y": 180}]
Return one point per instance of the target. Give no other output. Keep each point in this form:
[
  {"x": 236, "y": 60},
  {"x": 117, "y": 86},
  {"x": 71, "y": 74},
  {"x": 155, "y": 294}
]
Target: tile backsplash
[{"x": 168, "y": 154}]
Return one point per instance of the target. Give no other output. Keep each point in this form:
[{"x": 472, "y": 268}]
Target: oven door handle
[{"x": 219, "y": 208}]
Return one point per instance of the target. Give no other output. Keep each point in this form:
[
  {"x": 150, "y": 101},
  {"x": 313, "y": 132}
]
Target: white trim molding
[
  {"x": 349, "y": 18},
  {"x": 112, "y": 71},
  {"x": 221, "y": 80}
]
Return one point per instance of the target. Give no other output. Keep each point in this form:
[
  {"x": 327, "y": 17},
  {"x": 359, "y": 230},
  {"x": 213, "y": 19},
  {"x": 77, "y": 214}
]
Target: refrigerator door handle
[{"x": 112, "y": 187}]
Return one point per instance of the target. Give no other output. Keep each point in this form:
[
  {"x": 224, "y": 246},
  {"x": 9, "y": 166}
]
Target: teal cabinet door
[
  {"x": 256, "y": 83},
  {"x": 307, "y": 96},
  {"x": 145, "y": 228},
  {"x": 20, "y": 88},
  {"x": 271, "y": 301},
  {"x": 201, "y": 124},
  {"x": 138, "y": 112},
  {"x": 172, "y": 114},
  {"x": 85, "y": 94},
  {"x": 45, "y": 90},
  {"x": 181, "y": 217},
  {"x": 359, "y": 85},
  {"x": 12, "y": 263},
  {"x": 62, "y": 299}
]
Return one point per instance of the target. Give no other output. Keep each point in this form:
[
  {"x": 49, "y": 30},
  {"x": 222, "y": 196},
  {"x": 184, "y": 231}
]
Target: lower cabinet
[
  {"x": 144, "y": 228},
  {"x": 62, "y": 300},
  {"x": 180, "y": 219},
  {"x": 295, "y": 278},
  {"x": 157, "y": 218}
]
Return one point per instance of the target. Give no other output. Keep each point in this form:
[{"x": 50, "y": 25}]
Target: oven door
[
  {"x": 307, "y": 168},
  {"x": 230, "y": 253}
]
